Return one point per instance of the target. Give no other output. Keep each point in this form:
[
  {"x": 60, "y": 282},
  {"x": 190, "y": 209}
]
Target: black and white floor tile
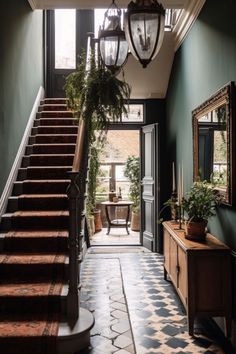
[{"x": 136, "y": 310}]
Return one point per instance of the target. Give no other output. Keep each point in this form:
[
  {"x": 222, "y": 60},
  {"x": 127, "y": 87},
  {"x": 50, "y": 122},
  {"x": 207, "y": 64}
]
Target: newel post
[{"x": 73, "y": 244}]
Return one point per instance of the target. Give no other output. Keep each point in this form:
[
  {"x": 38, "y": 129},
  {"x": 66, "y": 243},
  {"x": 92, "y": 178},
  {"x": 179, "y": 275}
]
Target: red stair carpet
[{"x": 33, "y": 263}]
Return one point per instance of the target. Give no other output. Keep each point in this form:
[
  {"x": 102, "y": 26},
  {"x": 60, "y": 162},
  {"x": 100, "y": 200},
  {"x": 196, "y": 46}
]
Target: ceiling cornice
[
  {"x": 32, "y": 4},
  {"x": 186, "y": 20},
  {"x": 91, "y": 4}
]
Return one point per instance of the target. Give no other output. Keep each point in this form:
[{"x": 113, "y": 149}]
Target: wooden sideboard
[{"x": 200, "y": 273}]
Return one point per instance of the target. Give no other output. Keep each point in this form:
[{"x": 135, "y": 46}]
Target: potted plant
[
  {"x": 199, "y": 204},
  {"x": 97, "y": 97},
  {"x": 132, "y": 172}
]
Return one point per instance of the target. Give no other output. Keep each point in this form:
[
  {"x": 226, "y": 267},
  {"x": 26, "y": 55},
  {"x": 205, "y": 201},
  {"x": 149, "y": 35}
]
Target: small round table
[{"x": 117, "y": 222}]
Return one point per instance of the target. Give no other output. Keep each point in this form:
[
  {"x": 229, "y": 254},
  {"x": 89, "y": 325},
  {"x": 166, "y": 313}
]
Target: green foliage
[
  {"x": 96, "y": 96},
  {"x": 94, "y": 169},
  {"x": 132, "y": 172},
  {"x": 201, "y": 201}
]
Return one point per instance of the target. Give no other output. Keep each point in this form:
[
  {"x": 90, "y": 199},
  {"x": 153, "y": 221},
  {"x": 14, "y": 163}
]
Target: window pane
[{"x": 65, "y": 48}]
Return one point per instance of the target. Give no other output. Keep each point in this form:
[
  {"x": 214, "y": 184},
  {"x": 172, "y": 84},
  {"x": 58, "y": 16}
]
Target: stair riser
[
  {"x": 56, "y": 122},
  {"x": 40, "y": 223},
  {"x": 55, "y": 130},
  {"x": 42, "y": 245},
  {"x": 53, "y": 101},
  {"x": 29, "y": 345},
  {"x": 43, "y": 173},
  {"x": 28, "y": 304},
  {"x": 34, "y": 223},
  {"x": 33, "y": 272},
  {"x": 52, "y": 107},
  {"x": 15, "y": 204},
  {"x": 47, "y": 160},
  {"x": 40, "y": 188},
  {"x": 50, "y": 149},
  {"x": 55, "y": 114},
  {"x": 53, "y": 139}
]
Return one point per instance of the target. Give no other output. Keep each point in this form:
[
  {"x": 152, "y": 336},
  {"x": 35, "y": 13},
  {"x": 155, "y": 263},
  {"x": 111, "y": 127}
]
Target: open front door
[{"x": 150, "y": 181}]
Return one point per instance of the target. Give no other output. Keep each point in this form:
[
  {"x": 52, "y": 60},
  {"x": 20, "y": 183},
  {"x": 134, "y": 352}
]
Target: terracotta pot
[
  {"x": 195, "y": 231},
  {"x": 91, "y": 226},
  {"x": 135, "y": 221},
  {"x": 97, "y": 220}
]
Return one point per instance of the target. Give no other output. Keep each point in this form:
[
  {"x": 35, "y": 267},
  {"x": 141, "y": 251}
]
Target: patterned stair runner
[{"x": 33, "y": 263}]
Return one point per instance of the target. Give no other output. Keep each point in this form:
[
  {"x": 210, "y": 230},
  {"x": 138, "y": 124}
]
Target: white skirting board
[{"x": 14, "y": 170}]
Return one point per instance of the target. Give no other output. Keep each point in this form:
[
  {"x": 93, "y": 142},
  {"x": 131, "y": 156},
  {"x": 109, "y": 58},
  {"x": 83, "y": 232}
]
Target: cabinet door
[
  {"x": 167, "y": 250},
  {"x": 182, "y": 275},
  {"x": 173, "y": 261}
]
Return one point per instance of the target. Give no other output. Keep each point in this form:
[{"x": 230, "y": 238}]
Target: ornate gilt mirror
[{"x": 213, "y": 141}]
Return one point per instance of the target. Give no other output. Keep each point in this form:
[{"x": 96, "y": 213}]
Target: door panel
[{"x": 149, "y": 179}]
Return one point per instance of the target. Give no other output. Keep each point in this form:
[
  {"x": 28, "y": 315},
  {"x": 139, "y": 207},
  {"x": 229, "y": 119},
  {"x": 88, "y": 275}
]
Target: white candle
[
  {"x": 173, "y": 177},
  {"x": 182, "y": 181},
  {"x": 179, "y": 186}
]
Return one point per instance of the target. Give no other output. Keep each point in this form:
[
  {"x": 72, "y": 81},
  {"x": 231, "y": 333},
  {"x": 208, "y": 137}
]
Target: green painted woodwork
[
  {"x": 21, "y": 74},
  {"x": 205, "y": 62}
]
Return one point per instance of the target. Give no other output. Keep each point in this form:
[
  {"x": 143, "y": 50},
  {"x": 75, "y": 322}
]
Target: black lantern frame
[
  {"x": 144, "y": 10},
  {"x": 113, "y": 34}
]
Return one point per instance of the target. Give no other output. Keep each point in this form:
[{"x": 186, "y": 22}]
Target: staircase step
[
  {"x": 35, "y": 297},
  {"x": 32, "y": 334},
  {"x": 52, "y": 107},
  {"x": 54, "y": 101},
  {"x": 32, "y": 267},
  {"x": 38, "y": 202},
  {"x": 47, "y": 160},
  {"x": 55, "y": 114},
  {"x": 53, "y": 139},
  {"x": 35, "y": 220},
  {"x": 55, "y": 130},
  {"x": 55, "y": 121},
  {"x": 45, "y": 172},
  {"x": 41, "y": 186},
  {"x": 31, "y": 240},
  {"x": 50, "y": 149}
]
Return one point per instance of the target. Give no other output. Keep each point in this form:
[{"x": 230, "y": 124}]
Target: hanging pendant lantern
[
  {"x": 113, "y": 46},
  {"x": 144, "y": 29}
]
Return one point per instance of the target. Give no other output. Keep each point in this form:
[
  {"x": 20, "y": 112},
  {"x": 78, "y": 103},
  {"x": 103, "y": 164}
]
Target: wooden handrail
[{"x": 79, "y": 147}]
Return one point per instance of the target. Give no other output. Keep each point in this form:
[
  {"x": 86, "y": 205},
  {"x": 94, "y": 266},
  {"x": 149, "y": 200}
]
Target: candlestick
[{"x": 173, "y": 177}]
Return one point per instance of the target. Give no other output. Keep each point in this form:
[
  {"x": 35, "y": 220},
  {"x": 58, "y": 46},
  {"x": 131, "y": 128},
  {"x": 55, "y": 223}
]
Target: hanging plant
[{"x": 97, "y": 96}]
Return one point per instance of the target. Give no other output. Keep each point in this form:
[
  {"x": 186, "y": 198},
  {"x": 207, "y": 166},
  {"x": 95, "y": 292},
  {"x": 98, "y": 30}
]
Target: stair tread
[
  {"x": 32, "y": 289},
  {"x": 44, "y": 181},
  {"x": 23, "y": 322},
  {"x": 47, "y": 155},
  {"x": 37, "y": 234},
  {"x": 32, "y": 258},
  {"x": 38, "y": 196},
  {"x": 37, "y": 213}
]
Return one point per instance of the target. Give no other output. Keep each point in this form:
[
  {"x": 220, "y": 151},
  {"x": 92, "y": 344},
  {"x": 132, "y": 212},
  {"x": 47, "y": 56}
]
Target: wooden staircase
[{"x": 34, "y": 259}]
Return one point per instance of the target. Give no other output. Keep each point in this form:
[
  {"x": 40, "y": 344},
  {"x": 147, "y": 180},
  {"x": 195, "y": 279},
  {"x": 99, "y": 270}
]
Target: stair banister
[{"x": 76, "y": 197}]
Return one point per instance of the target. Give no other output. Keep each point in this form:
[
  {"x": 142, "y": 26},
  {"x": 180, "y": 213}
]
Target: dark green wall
[
  {"x": 21, "y": 74},
  {"x": 205, "y": 62}
]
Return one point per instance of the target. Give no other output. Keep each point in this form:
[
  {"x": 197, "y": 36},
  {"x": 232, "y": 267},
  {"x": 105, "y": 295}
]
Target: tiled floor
[
  {"x": 135, "y": 309},
  {"x": 117, "y": 236}
]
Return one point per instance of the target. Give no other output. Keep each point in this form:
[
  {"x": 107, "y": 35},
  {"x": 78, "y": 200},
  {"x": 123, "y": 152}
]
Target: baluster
[{"x": 73, "y": 244}]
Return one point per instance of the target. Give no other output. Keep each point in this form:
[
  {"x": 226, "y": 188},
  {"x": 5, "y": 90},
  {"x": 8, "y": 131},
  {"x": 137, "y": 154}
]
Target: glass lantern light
[
  {"x": 144, "y": 29},
  {"x": 113, "y": 46}
]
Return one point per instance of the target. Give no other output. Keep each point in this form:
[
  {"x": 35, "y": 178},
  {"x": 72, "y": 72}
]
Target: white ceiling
[
  {"x": 151, "y": 82},
  {"x": 91, "y": 4}
]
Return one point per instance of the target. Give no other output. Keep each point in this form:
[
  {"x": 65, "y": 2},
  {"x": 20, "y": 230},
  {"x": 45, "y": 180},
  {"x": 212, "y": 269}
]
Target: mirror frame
[{"x": 226, "y": 95}]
